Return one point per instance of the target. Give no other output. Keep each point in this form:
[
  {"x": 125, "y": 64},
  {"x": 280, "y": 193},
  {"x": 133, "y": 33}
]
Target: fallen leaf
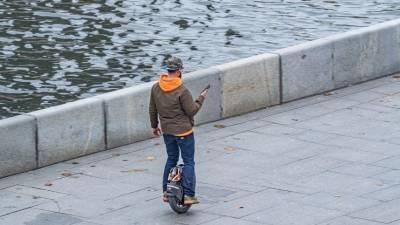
[
  {"x": 219, "y": 126},
  {"x": 150, "y": 158},
  {"x": 66, "y": 174},
  {"x": 115, "y": 154},
  {"x": 229, "y": 149},
  {"x": 125, "y": 160},
  {"x": 329, "y": 93},
  {"x": 134, "y": 170},
  {"x": 48, "y": 184},
  {"x": 397, "y": 76},
  {"x": 75, "y": 163},
  {"x": 93, "y": 166}
]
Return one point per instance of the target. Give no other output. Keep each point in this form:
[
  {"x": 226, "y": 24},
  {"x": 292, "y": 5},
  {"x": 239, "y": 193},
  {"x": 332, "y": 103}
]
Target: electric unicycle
[{"x": 175, "y": 190}]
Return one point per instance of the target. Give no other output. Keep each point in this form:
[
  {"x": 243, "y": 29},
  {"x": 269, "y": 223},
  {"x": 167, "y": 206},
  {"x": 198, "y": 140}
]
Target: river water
[{"x": 52, "y": 52}]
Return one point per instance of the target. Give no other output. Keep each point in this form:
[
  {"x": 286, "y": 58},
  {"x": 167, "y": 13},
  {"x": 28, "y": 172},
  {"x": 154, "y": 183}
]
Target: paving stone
[
  {"x": 366, "y": 186},
  {"x": 189, "y": 218},
  {"x": 230, "y": 221},
  {"x": 37, "y": 192},
  {"x": 314, "y": 136},
  {"x": 82, "y": 186},
  {"x": 392, "y": 175},
  {"x": 365, "y": 145},
  {"x": 263, "y": 161},
  {"x": 386, "y": 194},
  {"x": 395, "y": 223},
  {"x": 357, "y": 169},
  {"x": 253, "y": 203},
  {"x": 345, "y": 220},
  {"x": 386, "y": 212},
  {"x": 392, "y": 162},
  {"x": 268, "y": 144},
  {"x": 389, "y": 89},
  {"x": 329, "y": 122},
  {"x": 85, "y": 223},
  {"x": 287, "y": 118},
  {"x": 364, "y": 96},
  {"x": 150, "y": 212},
  {"x": 382, "y": 129},
  {"x": 278, "y": 129},
  {"x": 293, "y": 213},
  {"x": 329, "y": 182},
  {"x": 346, "y": 184},
  {"x": 79, "y": 207},
  {"x": 230, "y": 182},
  {"x": 339, "y": 202},
  {"x": 38, "y": 217},
  {"x": 13, "y": 202},
  {"x": 355, "y": 155},
  {"x": 271, "y": 182}
]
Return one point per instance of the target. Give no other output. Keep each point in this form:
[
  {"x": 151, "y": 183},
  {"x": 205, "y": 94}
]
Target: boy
[{"x": 173, "y": 104}]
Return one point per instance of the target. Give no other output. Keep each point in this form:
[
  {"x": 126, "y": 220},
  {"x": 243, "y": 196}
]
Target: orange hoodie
[{"x": 168, "y": 84}]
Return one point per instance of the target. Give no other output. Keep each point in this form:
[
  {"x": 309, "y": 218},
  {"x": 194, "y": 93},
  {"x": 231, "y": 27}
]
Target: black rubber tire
[{"x": 177, "y": 206}]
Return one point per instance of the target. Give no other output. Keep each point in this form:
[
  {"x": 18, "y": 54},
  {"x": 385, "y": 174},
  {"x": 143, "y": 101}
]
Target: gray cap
[{"x": 173, "y": 63}]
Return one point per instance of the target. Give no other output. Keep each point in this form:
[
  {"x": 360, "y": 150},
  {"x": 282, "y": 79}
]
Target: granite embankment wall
[{"x": 119, "y": 118}]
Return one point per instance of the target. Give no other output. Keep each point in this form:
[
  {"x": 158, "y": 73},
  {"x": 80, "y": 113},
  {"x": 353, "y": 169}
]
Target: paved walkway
[{"x": 329, "y": 159}]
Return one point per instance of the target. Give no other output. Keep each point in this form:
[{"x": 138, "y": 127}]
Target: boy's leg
[
  {"x": 186, "y": 144},
  {"x": 173, "y": 157}
]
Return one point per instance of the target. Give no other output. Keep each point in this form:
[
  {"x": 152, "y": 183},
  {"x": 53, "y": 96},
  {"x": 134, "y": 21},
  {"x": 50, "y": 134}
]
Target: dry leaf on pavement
[
  {"x": 133, "y": 170},
  {"x": 229, "y": 149},
  {"x": 150, "y": 158}
]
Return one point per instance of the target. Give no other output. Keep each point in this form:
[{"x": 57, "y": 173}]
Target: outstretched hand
[
  {"x": 156, "y": 132},
  {"x": 204, "y": 93}
]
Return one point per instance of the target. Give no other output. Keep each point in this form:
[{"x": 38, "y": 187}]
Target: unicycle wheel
[{"x": 177, "y": 205}]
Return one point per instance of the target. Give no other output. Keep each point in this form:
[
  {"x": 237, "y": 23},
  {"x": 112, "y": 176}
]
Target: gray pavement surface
[{"x": 332, "y": 159}]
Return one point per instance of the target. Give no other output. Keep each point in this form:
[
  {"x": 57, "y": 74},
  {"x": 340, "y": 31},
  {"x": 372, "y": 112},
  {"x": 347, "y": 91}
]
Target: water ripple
[{"x": 54, "y": 51}]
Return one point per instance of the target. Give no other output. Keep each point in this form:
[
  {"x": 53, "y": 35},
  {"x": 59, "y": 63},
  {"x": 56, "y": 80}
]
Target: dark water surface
[{"x": 53, "y": 52}]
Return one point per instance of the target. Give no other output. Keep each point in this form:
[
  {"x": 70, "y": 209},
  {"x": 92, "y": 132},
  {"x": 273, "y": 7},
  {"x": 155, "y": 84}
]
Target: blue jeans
[{"x": 186, "y": 146}]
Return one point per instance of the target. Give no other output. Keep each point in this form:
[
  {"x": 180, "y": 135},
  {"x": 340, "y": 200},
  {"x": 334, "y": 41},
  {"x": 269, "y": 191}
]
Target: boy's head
[{"x": 173, "y": 64}]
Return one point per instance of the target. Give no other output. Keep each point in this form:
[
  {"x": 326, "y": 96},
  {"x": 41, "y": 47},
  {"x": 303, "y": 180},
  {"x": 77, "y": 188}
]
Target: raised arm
[{"x": 189, "y": 106}]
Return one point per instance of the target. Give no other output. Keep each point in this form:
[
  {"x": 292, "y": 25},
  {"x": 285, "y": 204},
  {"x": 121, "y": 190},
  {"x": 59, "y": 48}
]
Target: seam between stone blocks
[
  {"x": 219, "y": 74},
  {"x": 280, "y": 75},
  {"x": 105, "y": 116},
  {"x": 36, "y": 139}
]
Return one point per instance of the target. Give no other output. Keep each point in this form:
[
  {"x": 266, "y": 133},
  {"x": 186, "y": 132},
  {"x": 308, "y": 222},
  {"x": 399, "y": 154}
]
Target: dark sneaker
[
  {"x": 188, "y": 200},
  {"x": 165, "y": 197}
]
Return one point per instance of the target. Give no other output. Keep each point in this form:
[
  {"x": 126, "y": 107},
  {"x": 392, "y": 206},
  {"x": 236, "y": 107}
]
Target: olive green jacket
[{"x": 175, "y": 109}]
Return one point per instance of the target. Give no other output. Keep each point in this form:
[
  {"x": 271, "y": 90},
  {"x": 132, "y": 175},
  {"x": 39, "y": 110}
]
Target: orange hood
[{"x": 169, "y": 83}]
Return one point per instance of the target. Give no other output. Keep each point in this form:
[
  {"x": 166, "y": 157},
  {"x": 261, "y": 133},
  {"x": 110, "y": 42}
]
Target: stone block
[
  {"x": 366, "y": 53},
  {"x": 211, "y": 109},
  {"x": 127, "y": 115},
  {"x": 18, "y": 145},
  {"x": 70, "y": 130},
  {"x": 250, "y": 84},
  {"x": 306, "y": 69},
  {"x": 386, "y": 212}
]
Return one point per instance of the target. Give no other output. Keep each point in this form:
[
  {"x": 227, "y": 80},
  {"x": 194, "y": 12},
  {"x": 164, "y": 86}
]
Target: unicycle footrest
[{"x": 175, "y": 190}]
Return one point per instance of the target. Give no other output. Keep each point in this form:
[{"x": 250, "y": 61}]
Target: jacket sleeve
[
  {"x": 153, "y": 111},
  {"x": 189, "y": 106}
]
